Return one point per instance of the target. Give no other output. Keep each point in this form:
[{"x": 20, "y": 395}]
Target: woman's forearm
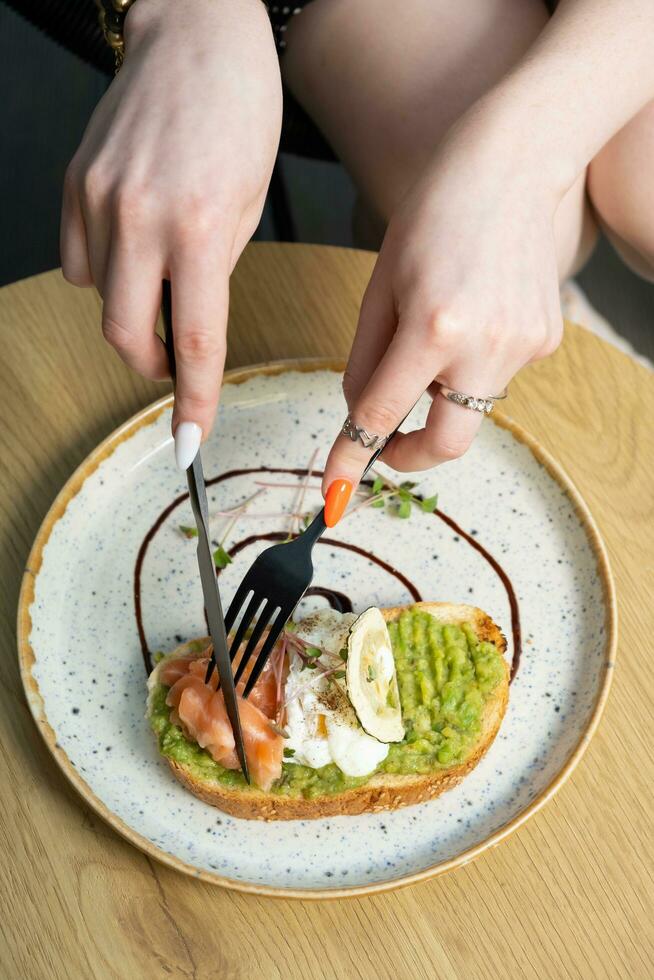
[
  {"x": 588, "y": 73},
  {"x": 169, "y": 183}
]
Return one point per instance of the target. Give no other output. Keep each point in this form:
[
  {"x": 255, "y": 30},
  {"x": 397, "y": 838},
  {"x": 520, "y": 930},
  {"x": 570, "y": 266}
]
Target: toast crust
[{"x": 384, "y": 791}]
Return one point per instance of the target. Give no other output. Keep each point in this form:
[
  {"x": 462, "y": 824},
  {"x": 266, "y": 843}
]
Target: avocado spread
[{"x": 445, "y": 675}]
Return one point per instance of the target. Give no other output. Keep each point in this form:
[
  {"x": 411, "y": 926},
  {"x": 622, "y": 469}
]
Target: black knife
[{"x": 212, "y": 603}]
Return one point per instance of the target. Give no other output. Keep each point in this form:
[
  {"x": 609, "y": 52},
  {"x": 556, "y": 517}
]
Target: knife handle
[
  {"x": 377, "y": 453},
  {"x": 167, "y": 316}
]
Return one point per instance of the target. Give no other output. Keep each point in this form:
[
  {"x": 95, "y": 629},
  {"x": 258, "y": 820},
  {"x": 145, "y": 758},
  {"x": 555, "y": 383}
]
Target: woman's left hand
[{"x": 465, "y": 289}]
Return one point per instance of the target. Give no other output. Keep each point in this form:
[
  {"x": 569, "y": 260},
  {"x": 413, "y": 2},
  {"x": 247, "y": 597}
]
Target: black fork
[{"x": 277, "y": 579}]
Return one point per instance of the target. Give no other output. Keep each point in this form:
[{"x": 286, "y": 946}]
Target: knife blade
[{"x": 206, "y": 565}]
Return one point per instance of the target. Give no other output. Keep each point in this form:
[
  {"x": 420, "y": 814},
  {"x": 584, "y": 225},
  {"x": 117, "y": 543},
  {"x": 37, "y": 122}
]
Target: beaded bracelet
[{"x": 112, "y": 18}]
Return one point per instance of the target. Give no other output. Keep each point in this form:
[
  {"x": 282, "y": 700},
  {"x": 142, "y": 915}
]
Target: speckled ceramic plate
[{"x": 506, "y": 514}]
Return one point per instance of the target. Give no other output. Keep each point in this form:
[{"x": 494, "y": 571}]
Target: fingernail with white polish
[{"x": 188, "y": 436}]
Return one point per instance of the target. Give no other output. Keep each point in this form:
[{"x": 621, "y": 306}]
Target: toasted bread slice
[{"x": 383, "y": 791}]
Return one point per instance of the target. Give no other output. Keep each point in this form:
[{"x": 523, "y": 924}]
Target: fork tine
[
  {"x": 264, "y": 619},
  {"x": 246, "y": 620},
  {"x": 233, "y": 611},
  {"x": 271, "y": 639},
  {"x": 236, "y": 604}
]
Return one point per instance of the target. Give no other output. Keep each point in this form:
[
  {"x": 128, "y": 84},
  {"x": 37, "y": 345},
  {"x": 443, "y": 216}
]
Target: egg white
[{"x": 318, "y": 735}]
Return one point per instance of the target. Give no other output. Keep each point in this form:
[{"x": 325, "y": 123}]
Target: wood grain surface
[{"x": 569, "y": 895}]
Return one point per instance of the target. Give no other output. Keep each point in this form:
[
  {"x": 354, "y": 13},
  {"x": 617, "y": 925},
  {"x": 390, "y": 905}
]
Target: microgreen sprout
[
  {"x": 400, "y": 497},
  {"x": 188, "y": 532},
  {"x": 220, "y": 557}
]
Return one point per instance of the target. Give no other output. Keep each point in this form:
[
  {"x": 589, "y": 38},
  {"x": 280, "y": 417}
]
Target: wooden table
[{"x": 569, "y": 895}]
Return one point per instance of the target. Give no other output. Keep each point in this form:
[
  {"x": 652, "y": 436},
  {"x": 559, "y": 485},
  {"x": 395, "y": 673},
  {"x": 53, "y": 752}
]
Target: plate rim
[{"x": 27, "y": 657}]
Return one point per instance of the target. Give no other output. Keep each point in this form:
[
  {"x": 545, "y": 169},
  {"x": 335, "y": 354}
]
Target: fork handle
[
  {"x": 318, "y": 527},
  {"x": 167, "y": 317},
  {"x": 377, "y": 453}
]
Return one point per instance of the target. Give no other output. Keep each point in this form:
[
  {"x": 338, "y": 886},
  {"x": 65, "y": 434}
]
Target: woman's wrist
[
  {"x": 535, "y": 137},
  {"x": 588, "y": 73},
  {"x": 143, "y": 12},
  {"x": 147, "y": 16},
  {"x": 496, "y": 144}
]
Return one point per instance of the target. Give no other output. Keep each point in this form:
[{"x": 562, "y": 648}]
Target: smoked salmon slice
[
  {"x": 176, "y": 668},
  {"x": 199, "y": 710},
  {"x": 201, "y": 714}
]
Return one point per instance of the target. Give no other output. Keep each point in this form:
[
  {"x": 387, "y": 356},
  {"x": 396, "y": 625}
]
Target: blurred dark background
[{"x": 49, "y": 95}]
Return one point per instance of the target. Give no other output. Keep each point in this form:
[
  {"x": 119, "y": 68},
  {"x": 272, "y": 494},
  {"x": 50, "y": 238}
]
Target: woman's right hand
[{"x": 169, "y": 182}]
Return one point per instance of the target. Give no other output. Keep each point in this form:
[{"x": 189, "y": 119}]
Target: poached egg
[{"x": 321, "y": 723}]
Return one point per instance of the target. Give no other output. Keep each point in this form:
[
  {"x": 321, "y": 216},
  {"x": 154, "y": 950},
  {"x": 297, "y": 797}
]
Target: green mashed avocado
[{"x": 445, "y": 676}]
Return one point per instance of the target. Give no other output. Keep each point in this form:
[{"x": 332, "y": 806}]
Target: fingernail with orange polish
[{"x": 336, "y": 499}]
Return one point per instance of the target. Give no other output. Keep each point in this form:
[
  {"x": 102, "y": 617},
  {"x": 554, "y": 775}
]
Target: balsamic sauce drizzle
[{"x": 337, "y": 600}]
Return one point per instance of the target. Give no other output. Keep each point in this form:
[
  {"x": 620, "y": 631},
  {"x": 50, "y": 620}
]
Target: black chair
[{"x": 74, "y": 25}]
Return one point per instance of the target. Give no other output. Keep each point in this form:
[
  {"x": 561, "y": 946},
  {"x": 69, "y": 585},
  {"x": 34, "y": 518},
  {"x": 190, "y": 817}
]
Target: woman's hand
[
  {"x": 465, "y": 290},
  {"x": 169, "y": 182}
]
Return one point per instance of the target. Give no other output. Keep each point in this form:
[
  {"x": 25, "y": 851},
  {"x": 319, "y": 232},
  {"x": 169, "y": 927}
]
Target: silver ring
[
  {"x": 484, "y": 404},
  {"x": 367, "y": 439}
]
